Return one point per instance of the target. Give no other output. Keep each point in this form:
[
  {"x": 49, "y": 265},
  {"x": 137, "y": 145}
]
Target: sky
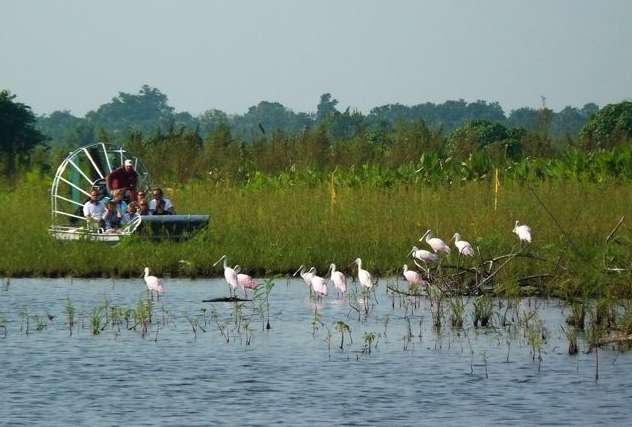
[{"x": 78, "y": 54}]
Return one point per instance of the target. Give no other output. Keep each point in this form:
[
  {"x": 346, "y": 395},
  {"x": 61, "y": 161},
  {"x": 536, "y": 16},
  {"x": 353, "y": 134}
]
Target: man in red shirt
[{"x": 123, "y": 178}]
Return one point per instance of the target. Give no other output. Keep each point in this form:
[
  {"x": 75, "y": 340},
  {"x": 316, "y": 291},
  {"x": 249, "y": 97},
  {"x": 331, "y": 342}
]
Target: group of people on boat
[{"x": 122, "y": 202}]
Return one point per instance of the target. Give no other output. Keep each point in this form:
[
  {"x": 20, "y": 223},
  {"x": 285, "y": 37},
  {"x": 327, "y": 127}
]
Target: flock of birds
[{"x": 319, "y": 284}]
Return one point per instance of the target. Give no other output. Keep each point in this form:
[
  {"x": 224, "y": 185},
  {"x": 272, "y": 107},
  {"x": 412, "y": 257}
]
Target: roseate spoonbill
[
  {"x": 364, "y": 277},
  {"x": 435, "y": 243},
  {"x": 523, "y": 232},
  {"x": 412, "y": 277},
  {"x": 465, "y": 248},
  {"x": 339, "y": 279},
  {"x": 423, "y": 255},
  {"x": 306, "y": 275},
  {"x": 153, "y": 284},
  {"x": 319, "y": 285},
  {"x": 229, "y": 274},
  {"x": 244, "y": 281}
]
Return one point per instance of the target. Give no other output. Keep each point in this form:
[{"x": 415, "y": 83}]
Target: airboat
[{"x": 86, "y": 169}]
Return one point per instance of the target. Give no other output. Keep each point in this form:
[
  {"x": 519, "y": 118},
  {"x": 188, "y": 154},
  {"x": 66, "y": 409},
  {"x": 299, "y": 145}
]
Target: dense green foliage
[
  {"x": 609, "y": 126},
  {"x": 18, "y": 134},
  {"x": 149, "y": 111},
  {"x": 337, "y": 186}
]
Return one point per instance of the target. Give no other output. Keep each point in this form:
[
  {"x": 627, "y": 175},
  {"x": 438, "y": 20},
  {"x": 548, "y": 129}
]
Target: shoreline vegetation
[
  {"x": 577, "y": 252},
  {"x": 342, "y": 187}
]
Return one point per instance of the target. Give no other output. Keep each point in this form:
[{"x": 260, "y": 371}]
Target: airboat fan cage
[{"x": 83, "y": 170}]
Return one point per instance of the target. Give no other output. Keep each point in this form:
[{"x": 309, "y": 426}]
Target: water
[{"x": 287, "y": 375}]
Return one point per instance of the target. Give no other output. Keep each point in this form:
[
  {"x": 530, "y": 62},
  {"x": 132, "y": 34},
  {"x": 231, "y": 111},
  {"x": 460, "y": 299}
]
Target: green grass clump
[{"x": 273, "y": 229}]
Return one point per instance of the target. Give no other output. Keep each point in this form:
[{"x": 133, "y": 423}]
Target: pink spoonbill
[
  {"x": 464, "y": 247},
  {"x": 306, "y": 275},
  {"x": 229, "y": 274},
  {"x": 437, "y": 245},
  {"x": 364, "y": 277},
  {"x": 339, "y": 279},
  {"x": 244, "y": 281},
  {"x": 523, "y": 232},
  {"x": 319, "y": 286},
  {"x": 423, "y": 255},
  {"x": 412, "y": 277},
  {"x": 153, "y": 284}
]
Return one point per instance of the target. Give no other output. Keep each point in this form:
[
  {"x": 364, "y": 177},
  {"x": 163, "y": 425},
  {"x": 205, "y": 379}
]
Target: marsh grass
[
  {"x": 483, "y": 311},
  {"x": 97, "y": 323},
  {"x": 457, "y": 312},
  {"x": 271, "y": 229},
  {"x": 69, "y": 313}
]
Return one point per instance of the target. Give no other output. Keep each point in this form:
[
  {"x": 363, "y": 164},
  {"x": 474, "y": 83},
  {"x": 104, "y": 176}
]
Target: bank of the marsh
[{"x": 273, "y": 230}]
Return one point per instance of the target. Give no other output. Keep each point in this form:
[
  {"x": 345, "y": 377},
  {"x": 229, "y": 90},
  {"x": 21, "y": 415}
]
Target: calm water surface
[{"x": 290, "y": 374}]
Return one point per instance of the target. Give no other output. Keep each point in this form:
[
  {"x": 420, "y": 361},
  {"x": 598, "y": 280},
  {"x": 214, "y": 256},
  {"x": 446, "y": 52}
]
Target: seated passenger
[
  {"x": 111, "y": 218},
  {"x": 130, "y": 214},
  {"x": 117, "y": 198},
  {"x": 94, "y": 208},
  {"x": 154, "y": 203},
  {"x": 143, "y": 208},
  {"x": 140, "y": 196},
  {"x": 160, "y": 208}
]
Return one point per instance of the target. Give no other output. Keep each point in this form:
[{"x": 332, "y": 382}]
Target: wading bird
[
  {"x": 412, "y": 277},
  {"x": 435, "y": 243},
  {"x": 244, "y": 281},
  {"x": 229, "y": 274},
  {"x": 319, "y": 286},
  {"x": 339, "y": 279},
  {"x": 465, "y": 248},
  {"x": 523, "y": 232},
  {"x": 364, "y": 277},
  {"x": 153, "y": 284},
  {"x": 423, "y": 255},
  {"x": 306, "y": 275}
]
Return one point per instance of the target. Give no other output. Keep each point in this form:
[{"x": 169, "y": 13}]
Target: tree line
[
  {"x": 177, "y": 147},
  {"x": 149, "y": 110}
]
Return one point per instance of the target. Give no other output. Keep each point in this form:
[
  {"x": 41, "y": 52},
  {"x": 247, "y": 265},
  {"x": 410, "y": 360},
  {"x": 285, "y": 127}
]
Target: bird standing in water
[
  {"x": 412, "y": 277},
  {"x": 364, "y": 277},
  {"x": 306, "y": 275},
  {"x": 339, "y": 279},
  {"x": 230, "y": 275},
  {"x": 153, "y": 284},
  {"x": 244, "y": 281}
]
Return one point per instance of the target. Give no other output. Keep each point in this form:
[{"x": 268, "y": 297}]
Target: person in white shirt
[
  {"x": 94, "y": 208},
  {"x": 156, "y": 202}
]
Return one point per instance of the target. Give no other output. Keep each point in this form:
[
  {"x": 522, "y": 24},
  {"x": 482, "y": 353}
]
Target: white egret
[
  {"x": 523, "y": 232},
  {"x": 437, "y": 245},
  {"x": 464, "y": 247}
]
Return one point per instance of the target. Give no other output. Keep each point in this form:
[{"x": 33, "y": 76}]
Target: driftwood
[
  {"x": 620, "y": 338},
  {"x": 525, "y": 280},
  {"x": 226, "y": 299},
  {"x": 401, "y": 292}
]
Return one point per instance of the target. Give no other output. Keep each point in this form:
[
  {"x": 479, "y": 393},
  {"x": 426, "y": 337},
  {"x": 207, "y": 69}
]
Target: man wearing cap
[{"x": 123, "y": 178}]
